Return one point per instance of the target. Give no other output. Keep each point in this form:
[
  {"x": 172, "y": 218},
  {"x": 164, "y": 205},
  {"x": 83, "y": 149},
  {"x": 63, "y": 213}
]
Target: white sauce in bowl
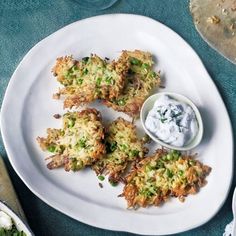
[
  {"x": 5, "y": 221},
  {"x": 173, "y": 122}
]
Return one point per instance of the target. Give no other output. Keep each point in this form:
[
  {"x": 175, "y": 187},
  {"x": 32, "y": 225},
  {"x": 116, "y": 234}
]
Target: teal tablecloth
[{"x": 25, "y": 22}]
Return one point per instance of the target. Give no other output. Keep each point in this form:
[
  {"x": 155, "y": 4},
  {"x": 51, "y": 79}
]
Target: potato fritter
[
  {"x": 122, "y": 146},
  {"x": 78, "y": 144},
  {"x": 140, "y": 80},
  {"x": 89, "y": 79},
  {"x": 156, "y": 178}
]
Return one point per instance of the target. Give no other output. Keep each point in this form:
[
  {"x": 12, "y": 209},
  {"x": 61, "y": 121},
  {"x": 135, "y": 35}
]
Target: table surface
[{"x": 24, "y": 23}]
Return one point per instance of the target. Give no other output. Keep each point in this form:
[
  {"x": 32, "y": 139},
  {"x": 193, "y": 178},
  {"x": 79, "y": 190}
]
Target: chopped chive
[
  {"x": 176, "y": 115},
  {"x": 163, "y": 120}
]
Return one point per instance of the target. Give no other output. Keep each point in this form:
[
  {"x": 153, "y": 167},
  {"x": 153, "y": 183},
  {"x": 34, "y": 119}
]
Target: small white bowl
[
  {"x": 148, "y": 105},
  {"x": 19, "y": 223}
]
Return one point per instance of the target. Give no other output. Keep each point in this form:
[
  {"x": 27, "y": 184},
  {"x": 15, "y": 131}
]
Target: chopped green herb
[
  {"x": 85, "y": 59},
  {"x": 169, "y": 173},
  {"x": 108, "y": 80},
  {"x": 169, "y": 157},
  {"x": 74, "y": 68},
  {"x": 123, "y": 147},
  {"x": 111, "y": 147},
  {"x": 79, "y": 81},
  {"x": 146, "y": 193},
  {"x": 176, "y": 154},
  {"x": 77, "y": 164},
  {"x": 148, "y": 168},
  {"x": 101, "y": 177},
  {"x": 98, "y": 81},
  {"x": 181, "y": 172},
  {"x": 82, "y": 142},
  {"x": 145, "y": 66},
  {"x": 71, "y": 123},
  {"x": 176, "y": 115},
  {"x": 51, "y": 148},
  {"x": 12, "y": 232},
  {"x": 121, "y": 102},
  {"x": 160, "y": 165},
  {"x": 192, "y": 162},
  {"x": 134, "y": 153},
  {"x": 164, "y": 157},
  {"x": 135, "y": 61},
  {"x": 85, "y": 71},
  {"x": 154, "y": 74},
  {"x": 112, "y": 183},
  {"x": 163, "y": 120}
]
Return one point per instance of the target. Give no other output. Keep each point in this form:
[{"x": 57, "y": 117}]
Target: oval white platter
[{"x": 28, "y": 109}]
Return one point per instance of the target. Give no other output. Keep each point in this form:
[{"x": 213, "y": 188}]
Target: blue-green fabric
[{"x": 23, "y": 23}]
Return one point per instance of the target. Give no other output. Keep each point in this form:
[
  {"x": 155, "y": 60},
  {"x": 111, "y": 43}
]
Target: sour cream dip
[
  {"x": 5, "y": 221},
  {"x": 173, "y": 122}
]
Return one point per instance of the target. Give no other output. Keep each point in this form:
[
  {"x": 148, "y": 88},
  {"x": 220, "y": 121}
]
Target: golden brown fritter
[
  {"x": 122, "y": 146},
  {"x": 140, "y": 80},
  {"x": 156, "y": 178},
  {"x": 89, "y": 79},
  {"x": 78, "y": 144}
]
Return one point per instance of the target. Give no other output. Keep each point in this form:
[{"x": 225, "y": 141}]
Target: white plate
[{"x": 28, "y": 108}]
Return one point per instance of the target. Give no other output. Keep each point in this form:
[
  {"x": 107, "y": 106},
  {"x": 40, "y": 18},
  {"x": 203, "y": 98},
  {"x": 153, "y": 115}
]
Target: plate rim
[{"x": 61, "y": 209}]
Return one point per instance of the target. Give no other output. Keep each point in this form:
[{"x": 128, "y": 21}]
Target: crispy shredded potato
[
  {"x": 156, "y": 178},
  {"x": 89, "y": 79},
  {"x": 123, "y": 147},
  {"x": 140, "y": 80},
  {"x": 78, "y": 144}
]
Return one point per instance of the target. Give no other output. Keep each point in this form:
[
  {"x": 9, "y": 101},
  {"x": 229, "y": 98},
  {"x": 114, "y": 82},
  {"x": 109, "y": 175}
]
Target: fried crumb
[
  {"x": 56, "y": 96},
  {"x": 57, "y": 116},
  {"x": 213, "y": 20}
]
